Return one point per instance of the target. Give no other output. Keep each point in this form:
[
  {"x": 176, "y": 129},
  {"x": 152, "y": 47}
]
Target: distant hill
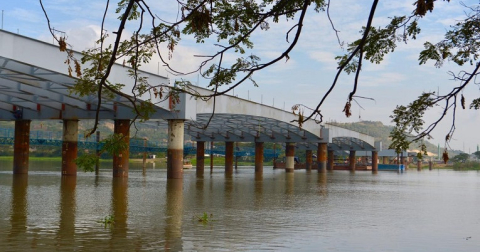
[{"x": 381, "y": 132}]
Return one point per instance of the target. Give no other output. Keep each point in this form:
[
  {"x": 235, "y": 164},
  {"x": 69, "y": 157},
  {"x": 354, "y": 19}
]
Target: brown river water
[{"x": 435, "y": 210}]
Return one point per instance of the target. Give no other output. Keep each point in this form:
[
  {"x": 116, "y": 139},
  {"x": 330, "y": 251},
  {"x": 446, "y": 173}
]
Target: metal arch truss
[
  {"x": 349, "y": 143},
  {"x": 43, "y": 94},
  {"x": 248, "y": 128}
]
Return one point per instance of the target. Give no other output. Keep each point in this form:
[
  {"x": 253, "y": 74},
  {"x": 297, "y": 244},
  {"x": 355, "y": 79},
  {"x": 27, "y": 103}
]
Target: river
[{"x": 435, "y": 210}]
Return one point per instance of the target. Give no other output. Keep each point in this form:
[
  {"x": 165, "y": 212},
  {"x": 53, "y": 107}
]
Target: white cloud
[{"x": 326, "y": 58}]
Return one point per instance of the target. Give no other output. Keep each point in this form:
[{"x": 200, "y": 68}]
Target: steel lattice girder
[
  {"x": 246, "y": 128},
  {"x": 349, "y": 143},
  {"x": 44, "y": 94}
]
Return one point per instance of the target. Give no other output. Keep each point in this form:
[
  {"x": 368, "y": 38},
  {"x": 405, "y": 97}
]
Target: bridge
[{"x": 35, "y": 82}]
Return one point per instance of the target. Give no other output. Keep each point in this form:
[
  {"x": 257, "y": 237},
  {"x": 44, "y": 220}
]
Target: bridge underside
[
  {"x": 349, "y": 143},
  {"x": 248, "y": 128},
  {"x": 34, "y": 93}
]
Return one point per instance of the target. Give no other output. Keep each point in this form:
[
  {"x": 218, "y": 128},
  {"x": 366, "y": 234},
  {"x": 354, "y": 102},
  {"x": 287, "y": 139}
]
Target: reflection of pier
[
  {"x": 119, "y": 211},
  {"x": 68, "y": 205},
  {"x": 174, "y": 215},
  {"x": 19, "y": 211}
]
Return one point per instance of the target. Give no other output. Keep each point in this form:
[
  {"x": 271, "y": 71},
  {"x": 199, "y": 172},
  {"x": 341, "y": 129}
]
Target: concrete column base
[
  {"x": 290, "y": 157},
  {"x": 258, "y": 157},
  {"x": 374, "y": 161},
  {"x": 69, "y": 147},
  {"x": 200, "y": 157},
  {"x": 175, "y": 149},
  {"x": 322, "y": 157},
  {"x": 228, "y": 157},
  {"x": 21, "y": 147},
  {"x": 352, "y": 160},
  {"x": 120, "y": 161},
  {"x": 331, "y": 160},
  {"x": 308, "y": 160}
]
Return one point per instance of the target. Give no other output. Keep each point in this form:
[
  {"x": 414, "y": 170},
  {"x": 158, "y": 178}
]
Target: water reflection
[
  {"x": 199, "y": 184},
  {"x": 174, "y": 215},
  {"x": 119, "y": 210},
  {"x": 289, "y": 183},
  {"x": 228, "y": 191},
  {"x": 305, "y": 211},
  {"x": 18, "y": 213},
  {"x": 322, "y": 183},
  {"x": 67, "y": 208},
  {"x": 258, "y": 190}
]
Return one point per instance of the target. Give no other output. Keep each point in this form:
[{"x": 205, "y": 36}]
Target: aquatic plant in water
[
  {"x": 205, "y": 218},
  {"x": 108, "y": 220}
]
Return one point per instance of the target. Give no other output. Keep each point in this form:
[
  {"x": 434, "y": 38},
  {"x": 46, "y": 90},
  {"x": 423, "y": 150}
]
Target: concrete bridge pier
[
  {"x": 120, "y": 161},
  {"x": 211, "y": 157},
  {"x": 175, "y": 149},
  {"x": 322, "y": 157},
  {"x": 352, "y": 160},
  {"x": 228, "y": 158},
  {"x": 308, "y": 160},
  {"x": 290, "y": 157},
  {"x": 200, "y": 157},
  {"x": 258, "y": 157},
  {"x": 374, "y": 162},
  {"x": 331, "y": 160},
  {"x": 69, "y": 147},
  {"x": 21, "y": 147}
]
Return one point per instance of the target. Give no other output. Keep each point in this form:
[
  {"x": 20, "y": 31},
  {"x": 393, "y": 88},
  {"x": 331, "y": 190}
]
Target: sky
[{"x": 309, "y": 72}]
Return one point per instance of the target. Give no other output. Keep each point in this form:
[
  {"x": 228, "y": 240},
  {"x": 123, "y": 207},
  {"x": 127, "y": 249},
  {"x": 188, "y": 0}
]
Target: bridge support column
[
  {"x": 331, "y": 160},
  {"x": 69, "y": 147},
  {"x": 175, "y": 149},
  {"x": 236, "y": 156},
  {"x": 258, "y": 157},
  {"x": 211, "y": 157},
  {"x": 274, "y": 155},
  {"x": 21, "y": 147},
  {"x": 120, "y": 161},
  {"x": 290, "y": 157},
  {"x": 308, "y": 158},
  {"x": 352, "y": 160},
  {"x": 322, "y": 157},
  {"x": 200, "y": 157},
  {"x": 374, "y": 161},
  {"x": 228, "y": 157}
]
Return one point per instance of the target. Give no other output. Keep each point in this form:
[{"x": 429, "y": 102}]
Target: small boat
[{"x": 187, "y": 164}]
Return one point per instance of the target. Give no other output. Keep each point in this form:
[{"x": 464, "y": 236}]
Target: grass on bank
[{"x": 469, "y": 165}]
